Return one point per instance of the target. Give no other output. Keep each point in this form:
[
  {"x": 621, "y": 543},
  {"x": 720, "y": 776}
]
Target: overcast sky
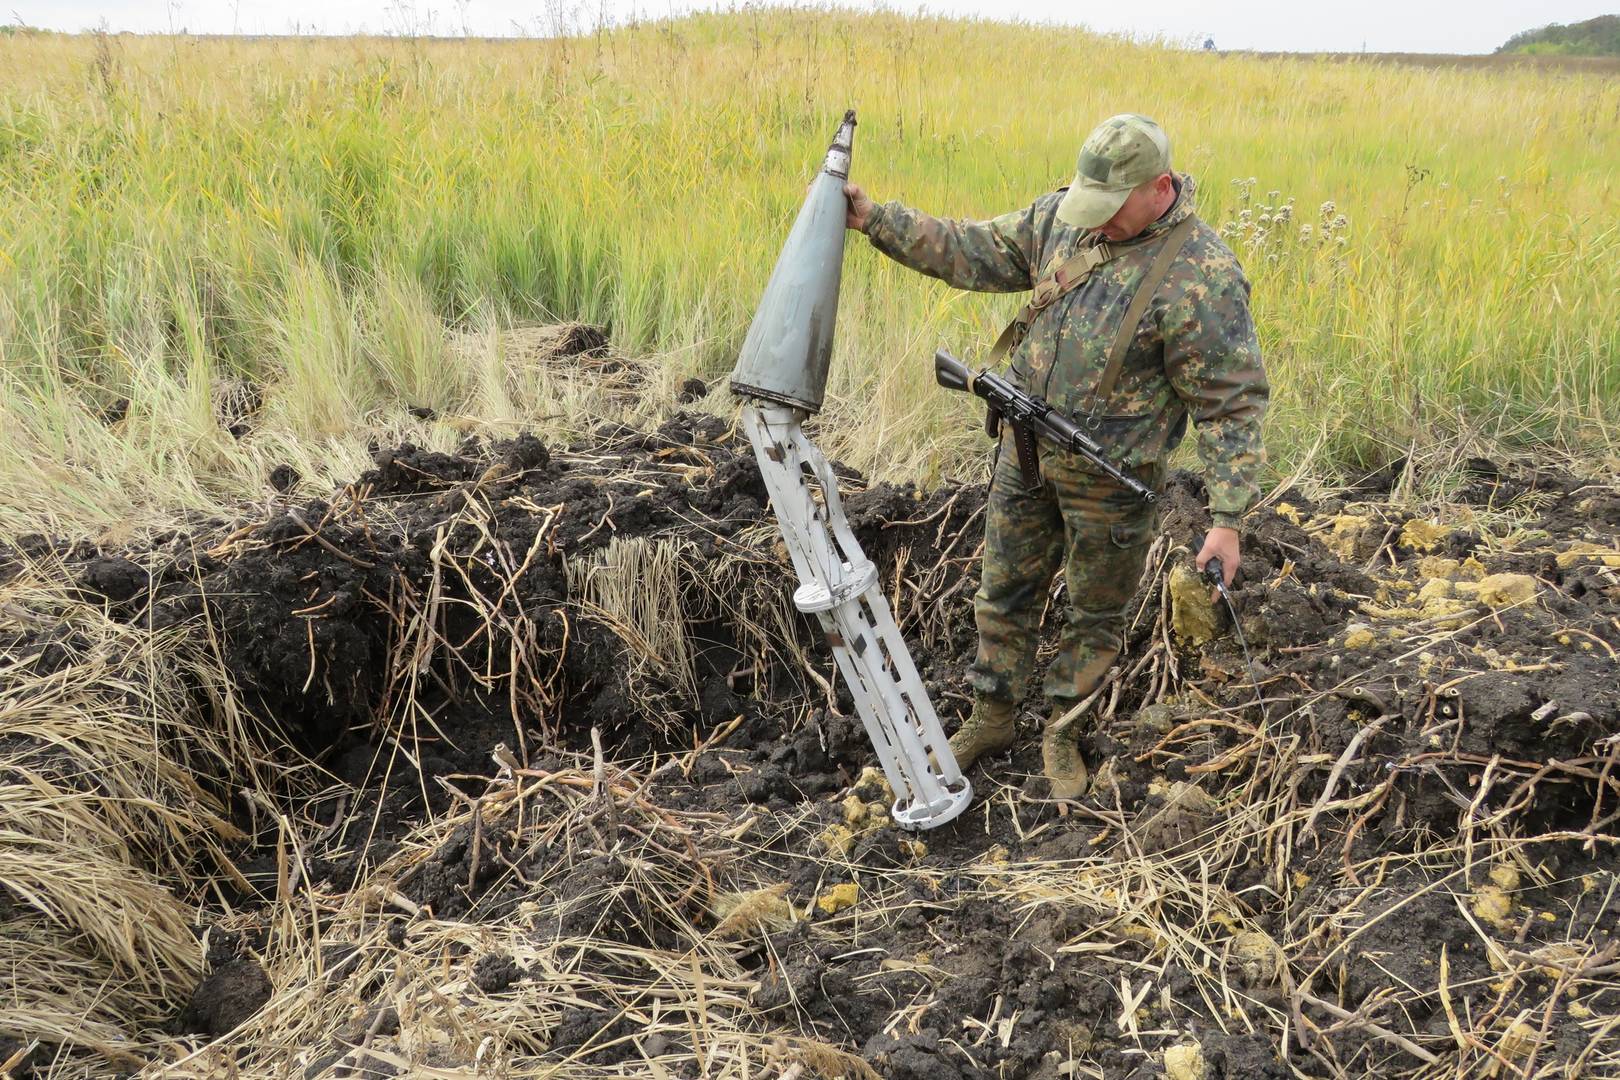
[{"x": 1329, "y": 25}]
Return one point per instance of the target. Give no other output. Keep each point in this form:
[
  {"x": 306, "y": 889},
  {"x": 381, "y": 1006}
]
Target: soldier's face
[{"x": 1142, "y": 208}]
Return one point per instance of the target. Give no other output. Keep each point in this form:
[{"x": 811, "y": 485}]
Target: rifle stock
[{"x": 950, "y": 372}]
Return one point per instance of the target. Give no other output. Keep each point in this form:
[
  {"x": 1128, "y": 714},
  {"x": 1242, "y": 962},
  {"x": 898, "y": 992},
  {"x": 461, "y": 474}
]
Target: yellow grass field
[{"x": 1433, "y": 251}]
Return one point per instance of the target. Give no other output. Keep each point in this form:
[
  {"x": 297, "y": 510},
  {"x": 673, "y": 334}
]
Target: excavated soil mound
[{"x": 595, "y": 803}]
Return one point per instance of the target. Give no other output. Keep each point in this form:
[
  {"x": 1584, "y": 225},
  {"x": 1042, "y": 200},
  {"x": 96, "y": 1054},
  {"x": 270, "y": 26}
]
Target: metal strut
[{"x": 839, "y": 585}]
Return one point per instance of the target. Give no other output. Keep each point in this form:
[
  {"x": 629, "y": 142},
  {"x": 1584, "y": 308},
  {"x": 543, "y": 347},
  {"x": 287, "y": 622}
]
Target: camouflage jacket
[{"x": 1194, "y": 351}]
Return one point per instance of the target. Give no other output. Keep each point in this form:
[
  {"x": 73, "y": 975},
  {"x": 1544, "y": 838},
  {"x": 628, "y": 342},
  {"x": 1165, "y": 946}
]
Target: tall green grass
[{"x": 313, "y": 215}]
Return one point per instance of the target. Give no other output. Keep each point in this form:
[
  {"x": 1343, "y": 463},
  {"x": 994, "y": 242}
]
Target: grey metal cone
[{"x": 788, "y": 349}]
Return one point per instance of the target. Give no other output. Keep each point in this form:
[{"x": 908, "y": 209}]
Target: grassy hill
[
  {"x": 327, "y": 224},
  {"x": 1594, "y": 37}
]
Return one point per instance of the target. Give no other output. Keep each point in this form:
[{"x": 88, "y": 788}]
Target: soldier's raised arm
[{"x": 984, "y": 256}]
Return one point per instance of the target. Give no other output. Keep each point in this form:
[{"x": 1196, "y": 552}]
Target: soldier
[{"x": 1140, "y": 317}]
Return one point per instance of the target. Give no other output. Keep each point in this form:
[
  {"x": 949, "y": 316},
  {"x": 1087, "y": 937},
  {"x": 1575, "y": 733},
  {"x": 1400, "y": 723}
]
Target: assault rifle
[{"x": 1031, "y": 418}]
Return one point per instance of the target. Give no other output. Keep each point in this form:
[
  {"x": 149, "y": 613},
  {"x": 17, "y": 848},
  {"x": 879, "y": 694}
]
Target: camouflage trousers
[{"x": 1097, "y": 532}]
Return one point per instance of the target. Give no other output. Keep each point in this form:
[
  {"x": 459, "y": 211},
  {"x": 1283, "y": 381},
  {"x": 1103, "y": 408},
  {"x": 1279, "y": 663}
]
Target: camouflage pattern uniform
[{"x": 1194, "y": 352}]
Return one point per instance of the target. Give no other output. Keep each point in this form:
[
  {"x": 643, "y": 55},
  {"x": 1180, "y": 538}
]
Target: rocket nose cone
[{"x": 788, "y": 349}]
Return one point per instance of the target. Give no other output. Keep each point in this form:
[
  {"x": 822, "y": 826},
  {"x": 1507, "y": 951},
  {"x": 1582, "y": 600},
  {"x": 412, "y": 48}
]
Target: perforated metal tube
[{"x": 839, "y": 586}]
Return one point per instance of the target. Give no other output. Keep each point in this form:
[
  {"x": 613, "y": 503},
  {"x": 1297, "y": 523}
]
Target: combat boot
[
  {"x": 987, "y": 730},
  {"x": 1066, "y": 771}
]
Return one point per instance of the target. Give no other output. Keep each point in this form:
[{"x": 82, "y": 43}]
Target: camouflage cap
[{"x": 1123, "y": 152}]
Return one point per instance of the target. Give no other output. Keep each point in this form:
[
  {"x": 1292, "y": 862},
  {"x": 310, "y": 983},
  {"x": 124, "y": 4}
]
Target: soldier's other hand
[
  {"x": 1220, "y": 543},
  {"x": 860, "y": 208}
]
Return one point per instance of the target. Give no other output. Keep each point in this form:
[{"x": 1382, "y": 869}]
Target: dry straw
[
  {"x": 637, "y": 931},
  {"x": 113, "y": 820}
]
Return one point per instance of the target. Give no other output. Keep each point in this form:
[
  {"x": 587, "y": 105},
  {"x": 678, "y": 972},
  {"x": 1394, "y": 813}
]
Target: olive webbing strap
[
  {"x": 1076, "y": 269},
  {"x": 1173, "y": 243}
]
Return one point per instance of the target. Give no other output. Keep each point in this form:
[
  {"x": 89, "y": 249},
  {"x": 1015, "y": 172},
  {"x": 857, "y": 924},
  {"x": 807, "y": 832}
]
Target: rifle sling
[
  {"x": 1173, "y": 243},
  {"x": 1074, "y": 272}
]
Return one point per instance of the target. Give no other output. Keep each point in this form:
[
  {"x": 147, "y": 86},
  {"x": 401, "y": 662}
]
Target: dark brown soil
[
  {"x": 417, "y": 625},
  {"x": 230, "y": 994}
]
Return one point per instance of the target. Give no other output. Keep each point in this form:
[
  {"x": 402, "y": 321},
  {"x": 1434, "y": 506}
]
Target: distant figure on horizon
[{"x": 1209, "y": 44}]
